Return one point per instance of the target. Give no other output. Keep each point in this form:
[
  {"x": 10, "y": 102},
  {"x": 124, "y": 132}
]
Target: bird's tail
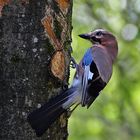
[{"x": 42, "y": 118}]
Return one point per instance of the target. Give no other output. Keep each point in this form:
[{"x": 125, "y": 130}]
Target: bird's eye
[{"x": 99, "y": 33}]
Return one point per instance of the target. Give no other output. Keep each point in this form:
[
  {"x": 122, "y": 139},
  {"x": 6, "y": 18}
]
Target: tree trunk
[{"x": 35, "y": 49}]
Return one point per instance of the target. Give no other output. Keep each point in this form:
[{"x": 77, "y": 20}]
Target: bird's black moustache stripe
[{"x": 96, "y": 39}]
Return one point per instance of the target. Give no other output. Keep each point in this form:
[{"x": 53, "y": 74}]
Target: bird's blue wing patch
[{"x": 87, "y": 59}]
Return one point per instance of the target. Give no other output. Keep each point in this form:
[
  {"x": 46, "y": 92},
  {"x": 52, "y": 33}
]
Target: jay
[{"x": 92, "y": 75}]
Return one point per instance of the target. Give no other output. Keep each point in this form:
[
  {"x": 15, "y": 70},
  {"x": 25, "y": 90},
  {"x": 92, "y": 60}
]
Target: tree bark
[{"x": 35, "y": 49}]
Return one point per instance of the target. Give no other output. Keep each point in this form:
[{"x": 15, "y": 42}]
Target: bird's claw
[{"x": 73, "y": 63}]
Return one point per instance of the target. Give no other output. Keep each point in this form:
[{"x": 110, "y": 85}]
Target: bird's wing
[
  {"x": 104, "y": 68},
  {"x": 84, "y": 85},
  {"x": 103, "y": 63},
  {"x": 86, "y": 76}
]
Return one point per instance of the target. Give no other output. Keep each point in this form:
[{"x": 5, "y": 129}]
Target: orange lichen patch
[
  {"x": 47, "y": 23},
  {"x": 2, "y": 4},
  {"x": 63, "y": 4},
  {"x": 58, "y": 64}
]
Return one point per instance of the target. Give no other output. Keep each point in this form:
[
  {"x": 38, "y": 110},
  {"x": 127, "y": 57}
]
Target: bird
[{"x": 92, "y": 75}]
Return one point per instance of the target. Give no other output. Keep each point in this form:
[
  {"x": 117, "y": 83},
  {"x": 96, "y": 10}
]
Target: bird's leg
[
  {"x": 73, "y": 63},
  {"x": 70, "y": 112}
]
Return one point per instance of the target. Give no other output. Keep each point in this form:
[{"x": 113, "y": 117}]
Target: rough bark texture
[{"x": 34, "y": 35}]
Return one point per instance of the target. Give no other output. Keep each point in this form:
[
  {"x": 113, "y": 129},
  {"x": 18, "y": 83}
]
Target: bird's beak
[{"x": 85, "y": 36}]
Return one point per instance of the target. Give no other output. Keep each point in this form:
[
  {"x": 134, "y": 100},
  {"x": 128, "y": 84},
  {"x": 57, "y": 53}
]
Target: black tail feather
[
  {"x": 42, "y": 118},
  {"x": 43, "y": 123}
]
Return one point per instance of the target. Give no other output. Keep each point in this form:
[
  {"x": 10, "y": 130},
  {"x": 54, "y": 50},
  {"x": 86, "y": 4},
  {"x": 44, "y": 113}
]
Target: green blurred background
[{"x": 115, "y": 115}]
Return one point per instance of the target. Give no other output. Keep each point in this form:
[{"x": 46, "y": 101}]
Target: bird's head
[{"x": 103, "y": 38}]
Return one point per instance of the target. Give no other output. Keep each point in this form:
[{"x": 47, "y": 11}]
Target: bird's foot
[
  {"x": 73, "y": 63},
  {"x": 70, "y": 111}
]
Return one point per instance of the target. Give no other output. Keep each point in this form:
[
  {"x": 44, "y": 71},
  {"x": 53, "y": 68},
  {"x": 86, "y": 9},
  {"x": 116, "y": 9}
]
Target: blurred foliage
[{"x": 115, "y": 115}]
